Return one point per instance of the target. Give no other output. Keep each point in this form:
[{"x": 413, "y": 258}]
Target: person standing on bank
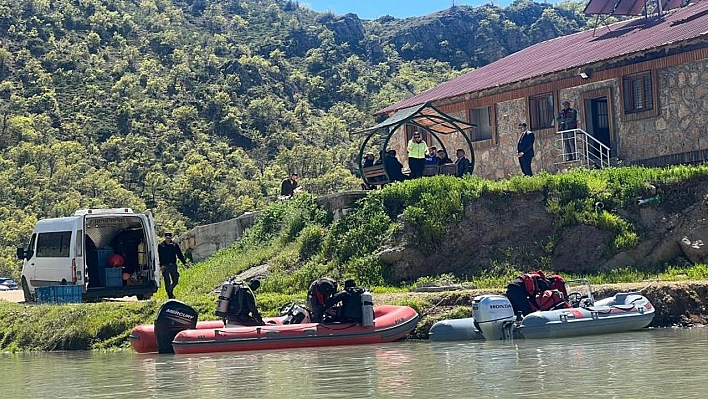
[
  {"x": 463, "y": 164},
  {"x": 568, "y": 120},
  {"x": 169, "y": 252},
  {"x": 416, "y": 155},
  {"x": 289, "y": 186},
  {"x": 524, "y": 149}
]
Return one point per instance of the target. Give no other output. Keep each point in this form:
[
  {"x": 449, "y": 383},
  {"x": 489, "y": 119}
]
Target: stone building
[{"x": 640, "y": 88}]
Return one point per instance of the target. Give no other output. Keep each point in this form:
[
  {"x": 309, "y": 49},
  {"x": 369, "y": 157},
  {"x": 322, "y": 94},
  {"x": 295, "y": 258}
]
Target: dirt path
[
  {"x": 17, "y": 296},
  {"x": 12, "y": 296}
]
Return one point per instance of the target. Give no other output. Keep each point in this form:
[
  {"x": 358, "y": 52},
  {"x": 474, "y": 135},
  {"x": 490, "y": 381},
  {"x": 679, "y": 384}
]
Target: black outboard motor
[{"x": 174, "y": 316}]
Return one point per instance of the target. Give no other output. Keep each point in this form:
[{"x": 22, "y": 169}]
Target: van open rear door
[{"x": 151, "y": 248}]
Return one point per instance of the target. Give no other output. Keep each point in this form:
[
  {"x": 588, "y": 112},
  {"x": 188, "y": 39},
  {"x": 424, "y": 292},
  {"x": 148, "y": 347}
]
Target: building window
[
  {"x": 638, "y": 93},
  {"x": 482, "y": 117},
  {"x": 541, "y": 111}
]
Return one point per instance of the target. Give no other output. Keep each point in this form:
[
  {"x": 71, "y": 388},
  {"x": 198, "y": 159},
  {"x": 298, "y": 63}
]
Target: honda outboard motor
[
  {"x": 174, "y": 316},
  {"x": 492, "y": 313}
]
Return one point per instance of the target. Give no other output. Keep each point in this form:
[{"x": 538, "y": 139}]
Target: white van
[{"x": 110, "y": 252}]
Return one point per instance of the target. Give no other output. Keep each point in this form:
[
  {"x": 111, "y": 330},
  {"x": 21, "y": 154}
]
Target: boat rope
[
  {"x": 445, "y": 296},
  {"x": 325, "y": 326},
  {"x": 650, "y": 283}
]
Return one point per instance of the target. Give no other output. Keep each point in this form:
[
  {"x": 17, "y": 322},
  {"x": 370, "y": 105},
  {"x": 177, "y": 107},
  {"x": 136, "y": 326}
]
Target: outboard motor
[
  {"x": 174, "y": 316},
  {"x": 367, "y": 309},
  {"x": 491, "y": 314}
]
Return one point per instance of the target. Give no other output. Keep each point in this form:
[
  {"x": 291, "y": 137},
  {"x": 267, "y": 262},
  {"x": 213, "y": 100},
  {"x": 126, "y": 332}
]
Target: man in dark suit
[{"x": 524, "y": 149}]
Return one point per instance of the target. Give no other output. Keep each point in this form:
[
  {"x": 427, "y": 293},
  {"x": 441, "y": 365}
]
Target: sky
[{"x": 372, "y": 9}]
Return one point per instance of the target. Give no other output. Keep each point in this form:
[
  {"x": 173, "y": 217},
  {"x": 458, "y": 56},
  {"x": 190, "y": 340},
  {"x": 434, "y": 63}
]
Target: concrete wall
[{"x": 203, "y": 241}]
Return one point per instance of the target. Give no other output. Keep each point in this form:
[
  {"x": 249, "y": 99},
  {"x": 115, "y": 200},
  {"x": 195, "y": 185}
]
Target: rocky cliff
[
  {"x": 518, "y": 229},
  {"x": 464, "y": 36}
]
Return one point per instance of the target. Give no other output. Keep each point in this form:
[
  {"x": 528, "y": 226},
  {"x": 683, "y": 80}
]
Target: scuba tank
[
  {"x": 367, "y": 309},
  {"x": 222, "y": 305},
  {"x": 142, "y": 256}
]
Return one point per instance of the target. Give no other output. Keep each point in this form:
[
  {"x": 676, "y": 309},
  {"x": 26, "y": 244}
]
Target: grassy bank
[{"x": 300, "y": 242}]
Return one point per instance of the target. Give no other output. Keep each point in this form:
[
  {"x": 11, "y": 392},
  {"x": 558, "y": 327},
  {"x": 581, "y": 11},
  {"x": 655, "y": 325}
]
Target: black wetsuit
[{"x": 168, "y": 259}]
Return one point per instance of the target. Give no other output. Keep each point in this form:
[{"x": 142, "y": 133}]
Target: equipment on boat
[
  {"x": 293, "y": 313},
  {"x": 367, "y": 309},
  {"x": 389, "y": 323},
  {"x": 222, "y": 304},
  {"x": 174, "y": 316},
  {"x": 493, "y": 314},
  {"x": 493, "y": 319}
]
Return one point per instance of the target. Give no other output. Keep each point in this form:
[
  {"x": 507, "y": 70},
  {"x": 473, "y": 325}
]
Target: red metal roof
[{"x": 573, "y": 51}]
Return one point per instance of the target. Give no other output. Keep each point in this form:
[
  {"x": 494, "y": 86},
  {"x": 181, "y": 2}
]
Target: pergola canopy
[{"x": 425, "y": 116}]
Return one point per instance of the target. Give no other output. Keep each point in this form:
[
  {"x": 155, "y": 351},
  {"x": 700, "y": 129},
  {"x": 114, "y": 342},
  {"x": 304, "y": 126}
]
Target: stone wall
[
  {"x": 682, "y": 124},
  {"x": 203, "y": 241}
]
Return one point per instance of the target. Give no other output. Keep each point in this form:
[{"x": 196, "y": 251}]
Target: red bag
[{"x": 551, "y": 300}]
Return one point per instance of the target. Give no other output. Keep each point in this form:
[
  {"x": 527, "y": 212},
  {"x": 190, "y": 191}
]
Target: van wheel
[
  {"x": 143, "y": 297},
  {"x": 25, "y": 289}
]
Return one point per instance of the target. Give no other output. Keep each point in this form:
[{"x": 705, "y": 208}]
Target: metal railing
[{"x": 578, "y": 147}]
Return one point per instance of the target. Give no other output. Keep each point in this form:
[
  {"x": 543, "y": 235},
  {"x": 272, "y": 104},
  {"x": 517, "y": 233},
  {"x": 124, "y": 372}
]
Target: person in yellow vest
[{"x": 416, "y": 155}]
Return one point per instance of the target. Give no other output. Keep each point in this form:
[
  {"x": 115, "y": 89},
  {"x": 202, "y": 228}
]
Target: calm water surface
[{"x": 666, "y": 363}]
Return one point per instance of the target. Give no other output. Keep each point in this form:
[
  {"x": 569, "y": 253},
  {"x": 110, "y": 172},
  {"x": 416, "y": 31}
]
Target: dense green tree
[{"x": 198, "y": 109}]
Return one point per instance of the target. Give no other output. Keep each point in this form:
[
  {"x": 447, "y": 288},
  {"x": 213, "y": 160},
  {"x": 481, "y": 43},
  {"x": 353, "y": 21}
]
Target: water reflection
[{"x": 648, "y": 364}]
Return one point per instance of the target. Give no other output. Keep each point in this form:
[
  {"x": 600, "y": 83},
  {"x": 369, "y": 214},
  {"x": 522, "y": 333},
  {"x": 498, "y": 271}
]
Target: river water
[{"x": 662, "y": 363}]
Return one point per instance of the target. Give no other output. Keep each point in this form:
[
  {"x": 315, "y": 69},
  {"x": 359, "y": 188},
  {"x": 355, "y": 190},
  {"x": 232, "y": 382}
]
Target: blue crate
[
  {"x": 59, "y": 294},
  {"x": 113, "y": 277},
  {"x": 68, "y": 293},
  {"x": 44, "y": 294},
  {"x": 103, "y": 255}
]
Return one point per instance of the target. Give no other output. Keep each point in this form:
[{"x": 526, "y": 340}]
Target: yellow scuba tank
[{"x": 142, "y": 258}]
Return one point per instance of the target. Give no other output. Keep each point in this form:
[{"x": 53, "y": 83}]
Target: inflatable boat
[
  {"x": 494, "y": 319},
  {"x": 176, "y": 330}
]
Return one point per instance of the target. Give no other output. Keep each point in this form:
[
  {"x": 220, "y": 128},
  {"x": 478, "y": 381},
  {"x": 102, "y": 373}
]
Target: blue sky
[{"x": 372, "y": 9}]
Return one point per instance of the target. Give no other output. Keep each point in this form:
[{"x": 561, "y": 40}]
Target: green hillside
[
  {"x": 299, "y": 242},
  {"x": 198, "y": 109}
]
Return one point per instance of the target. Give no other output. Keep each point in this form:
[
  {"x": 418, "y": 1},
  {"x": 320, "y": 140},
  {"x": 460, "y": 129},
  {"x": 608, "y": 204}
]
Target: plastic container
[
  {"x": 59, "y": 294},
  {"x": 44, "y": 294},
  {"x": 113, "y": 277},
  {"x": 67, "y": 293},
  {"x": 103, "y": 255}
]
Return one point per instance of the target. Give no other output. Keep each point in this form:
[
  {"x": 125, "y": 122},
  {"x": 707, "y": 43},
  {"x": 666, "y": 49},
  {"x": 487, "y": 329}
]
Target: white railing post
[{"x": 589, "y": 145}]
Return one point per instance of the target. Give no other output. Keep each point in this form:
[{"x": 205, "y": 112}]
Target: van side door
[
  {"x": 52, "y": 258},
  {"x": 151, "y": 248},
  {"x": 80, "y": 257}
]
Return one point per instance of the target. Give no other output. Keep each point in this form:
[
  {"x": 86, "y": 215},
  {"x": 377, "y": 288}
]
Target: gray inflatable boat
[{"x": 494, "y": 319}]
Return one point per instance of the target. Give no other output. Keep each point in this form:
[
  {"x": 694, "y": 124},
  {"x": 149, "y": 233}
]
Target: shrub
[{"x": 310, "y": 241}]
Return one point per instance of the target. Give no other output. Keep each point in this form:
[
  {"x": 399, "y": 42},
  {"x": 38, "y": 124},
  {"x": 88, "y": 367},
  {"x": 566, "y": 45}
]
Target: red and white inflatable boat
[{"x": 168, "y": 334}]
